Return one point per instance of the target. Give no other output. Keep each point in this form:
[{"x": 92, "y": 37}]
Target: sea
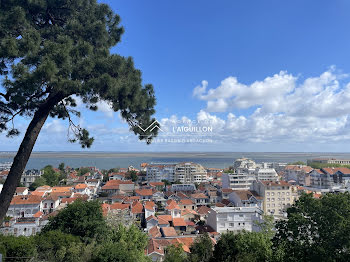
[{"x": 107, "y": 160}]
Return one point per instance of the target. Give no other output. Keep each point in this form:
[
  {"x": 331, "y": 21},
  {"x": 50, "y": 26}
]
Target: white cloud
[{"x": 285, "y": 109}]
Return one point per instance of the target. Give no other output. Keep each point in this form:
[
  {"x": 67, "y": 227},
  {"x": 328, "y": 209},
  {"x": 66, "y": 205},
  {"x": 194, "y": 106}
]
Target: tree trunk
[{"x": 24, "y": 151}]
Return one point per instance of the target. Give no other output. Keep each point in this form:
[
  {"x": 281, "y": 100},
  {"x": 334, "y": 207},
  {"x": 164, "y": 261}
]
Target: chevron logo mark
[{"x": 152, "y": 126}]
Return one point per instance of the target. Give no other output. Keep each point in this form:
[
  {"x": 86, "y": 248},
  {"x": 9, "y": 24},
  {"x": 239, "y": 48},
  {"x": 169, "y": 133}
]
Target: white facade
[
  {"x": 157, "y": 173},
  {"x": 223, "y": 219},
  {"x": 183, "y": 187},
  {"x": 190, "y": 173},
  {"x": 266, "y": 174},
  {"x": 240, "y": 180}
]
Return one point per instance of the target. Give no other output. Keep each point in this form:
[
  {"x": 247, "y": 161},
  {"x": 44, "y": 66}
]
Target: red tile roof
[
  {"x": 151, "y": 217},
  {"x": 179, "y": 222},
  {"x": 136, "y": 208},
  {"x": 186, "y": 202},
  {"x": 154, "y": 184},
  {"x": 169, "y": 231},
  {"x": 80, "y": 186},
  {"x": 119, "y": 206},
  {"x": 165, "y": 217},
  {"x": 144, "y": 192},
  {"x": 154, "y": 247},
  {"x": 26, "y": 200},
  {"x": 172, "y": 206},
  {"x": 154, "y": 232},
  {"x": 20, "y": 189},
  {"x": 203, "y": 210},
  {"x": 198, "y": 195},
  {"x": 149, "y": 205}
]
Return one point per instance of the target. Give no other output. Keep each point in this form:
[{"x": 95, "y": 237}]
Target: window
[
  {"x": 272, "y": 194},
  {"x": 268, "y": 205},
  {"x": 287, "y": 193},
  {"x": 231, "y": 224},
  {"x": 272, "y": 199},
  {"x": 268, "y": 200},
  {"x": 268, "y": 193}
]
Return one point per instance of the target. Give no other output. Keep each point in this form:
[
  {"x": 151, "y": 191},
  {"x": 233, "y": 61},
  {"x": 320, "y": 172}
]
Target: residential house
[
  {"x": 200, "y": 199},
  {"x": 24, "y": 206},
  {"x": 151, "y": 221},
  {"x": 246, "y": 198},
  {"x": 21, "y": 191},
  {"x": 299, "y": 173},
  {"x": 144, "y": 194},
  {"x": 155, "y": 251},
  {"x": 117, "y": 176},
  {"x": 50, "y": 203},
  {"x": 179, "y": 224},
  {"x": 186, "y": 204},
  {"x": 173, "y": 209},
  {"x": 203, "y": 212}
]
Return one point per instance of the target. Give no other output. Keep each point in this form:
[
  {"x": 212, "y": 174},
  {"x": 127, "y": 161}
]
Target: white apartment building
[
  {"x": 266, "y": 174},
  {"x": 190, "y": 173},
  {"x": 239, "y": 180},
  {"x": 223, "y": 219},
  {"x": 244, "y": 163},
  {"x": 157, "y": 173}
]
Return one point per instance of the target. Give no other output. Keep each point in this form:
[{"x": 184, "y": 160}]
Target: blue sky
[{"x": 277, "y": 71}]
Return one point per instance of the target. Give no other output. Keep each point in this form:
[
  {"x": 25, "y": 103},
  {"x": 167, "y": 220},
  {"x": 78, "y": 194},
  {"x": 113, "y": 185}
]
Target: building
[
  {"x": 24, "y": 206},
  {"x": 183, "y": 187},
  {"x": 329, "y": 161},
  {"x": 236, "y": 219},
  {"x": 244, "y": 163},
  {"x": 277, "y": 196},
  {"x": 266, "y": 174},
  {"x": 246, "y": 198},
  {"x": 157, "y": 173},
  {"x": 301, "y": 174},
  {"x": 28, "y": 177},
  {"x": 330, "y": 178},
  {"x": 190, "y": 173},
  {"x": 240, "y": 179}
]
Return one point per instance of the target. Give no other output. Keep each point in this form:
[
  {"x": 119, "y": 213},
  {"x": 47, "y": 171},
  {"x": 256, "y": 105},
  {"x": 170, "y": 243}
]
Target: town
[{"x": 174, "y": 203}]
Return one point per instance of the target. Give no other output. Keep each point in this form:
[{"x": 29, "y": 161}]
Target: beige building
[
  {"x": 190, "y": 173},
  {"x": 277, "y": 196}
]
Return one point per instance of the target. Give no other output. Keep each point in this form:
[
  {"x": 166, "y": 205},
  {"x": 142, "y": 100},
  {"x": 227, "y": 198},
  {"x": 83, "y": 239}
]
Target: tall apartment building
[
  {"x": 244, "y": 163},
  {"x": 277, "y": 196},
  {"x": 189, "y": 172},
  {"x": 157, "y": 173},
  {"x": 266, "y": 174},
  {"x": 242, "y": 176},
  {"x": 239, "y": 180}
]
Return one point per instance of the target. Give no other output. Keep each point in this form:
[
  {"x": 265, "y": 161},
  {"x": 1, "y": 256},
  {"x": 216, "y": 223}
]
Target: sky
[{"x": 229, "y": 75}]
